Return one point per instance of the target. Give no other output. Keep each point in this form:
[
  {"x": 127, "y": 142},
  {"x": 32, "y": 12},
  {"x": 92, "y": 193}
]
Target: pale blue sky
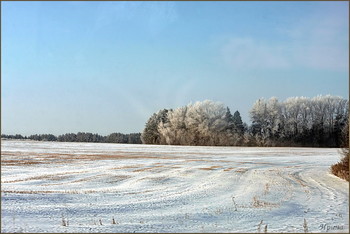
[{"x": 106, "y": 67}]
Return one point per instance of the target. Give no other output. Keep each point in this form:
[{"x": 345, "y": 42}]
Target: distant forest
[
  {"x": 321, "y": 121},
  {"x": 132, "y": 138}
]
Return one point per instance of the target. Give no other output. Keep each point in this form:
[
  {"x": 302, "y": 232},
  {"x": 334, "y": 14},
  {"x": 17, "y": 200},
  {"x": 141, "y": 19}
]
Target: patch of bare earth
[
  {"x": 229, "y": 169},
  {"x": 30, "y": 158},
  {"x": 210, "y": 168},
  {"x": 242, "y": 170}
]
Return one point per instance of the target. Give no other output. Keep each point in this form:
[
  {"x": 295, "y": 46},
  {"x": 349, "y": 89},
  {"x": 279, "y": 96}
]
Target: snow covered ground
[{"x": 93, "y": 187}]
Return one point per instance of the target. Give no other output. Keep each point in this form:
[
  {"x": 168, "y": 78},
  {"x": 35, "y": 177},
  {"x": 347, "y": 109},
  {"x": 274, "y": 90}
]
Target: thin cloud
[
  {"x": 246, "y": 53},
  {"x": 318, "y": 41},
  {"x": 321, "y": 40}
]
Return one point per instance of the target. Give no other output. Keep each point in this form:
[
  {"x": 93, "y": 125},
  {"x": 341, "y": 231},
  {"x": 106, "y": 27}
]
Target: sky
[{"x": 105, "y": 67}]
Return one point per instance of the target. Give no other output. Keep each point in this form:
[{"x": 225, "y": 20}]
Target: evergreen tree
[
  {"x": 150, "y": 134},
  {"x": 230, "y": 120},
  {"x": 238, "y": 123},
  {"x": 337, "y": 131}
]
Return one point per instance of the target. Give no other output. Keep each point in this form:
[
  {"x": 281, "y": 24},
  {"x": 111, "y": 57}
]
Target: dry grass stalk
[
  {"x": 259, "y": 226},
  {"x": 306, "y": 229},
  {"x": 64, "y": 222},
  {"x": 234, "y": 203}
]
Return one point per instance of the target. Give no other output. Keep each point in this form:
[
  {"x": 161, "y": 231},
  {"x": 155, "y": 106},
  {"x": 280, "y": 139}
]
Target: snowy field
[{"x": 93, "y": 187}]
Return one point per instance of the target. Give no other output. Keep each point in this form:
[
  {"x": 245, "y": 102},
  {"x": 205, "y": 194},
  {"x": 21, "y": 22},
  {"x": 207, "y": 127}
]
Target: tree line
[
  {"x": 132, "y": 138},
  {"x": 321, "y": 121}
]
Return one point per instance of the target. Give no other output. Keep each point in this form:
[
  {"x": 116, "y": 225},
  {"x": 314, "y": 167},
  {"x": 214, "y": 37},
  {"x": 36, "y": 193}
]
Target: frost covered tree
[
  {"x": 299, "y": 121},
  {"x": 200, "y": 123},
  {"x": 273, "y": 123},
  {"x": 258, "y": 114},
  {"x": 206, "y": 122},
  {"x": 174, "y": 131}
]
